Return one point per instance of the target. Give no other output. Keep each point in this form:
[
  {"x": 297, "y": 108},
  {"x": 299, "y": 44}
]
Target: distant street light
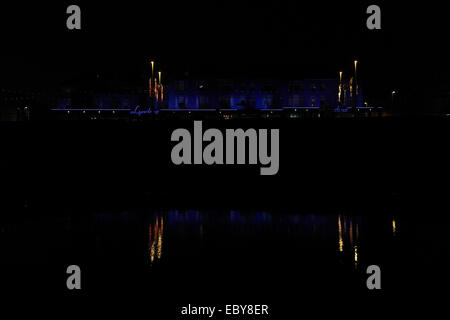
[{"x": 393, "y": 97}]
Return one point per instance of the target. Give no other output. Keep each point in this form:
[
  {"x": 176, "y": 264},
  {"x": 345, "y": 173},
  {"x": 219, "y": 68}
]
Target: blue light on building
[
  {"x": 254, "y": 94},
  {"x": 228, "y": 96}
]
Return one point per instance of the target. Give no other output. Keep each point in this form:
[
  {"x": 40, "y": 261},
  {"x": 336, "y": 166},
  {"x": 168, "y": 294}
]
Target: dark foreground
[
  {"x": 160, "y": 259},
  {"x": 150, "y": 237}
]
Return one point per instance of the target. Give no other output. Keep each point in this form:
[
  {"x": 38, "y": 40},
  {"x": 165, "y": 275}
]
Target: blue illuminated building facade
[
  {"x": 313, "y": 96},
  {"x": 253, "y": 94}
]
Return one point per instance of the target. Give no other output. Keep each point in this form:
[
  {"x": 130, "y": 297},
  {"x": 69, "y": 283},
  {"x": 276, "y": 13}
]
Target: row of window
[
  {"x": 18, "y": 98},
  {"x": 181, "y": 85},
  {"x": 225, "y": 101}
]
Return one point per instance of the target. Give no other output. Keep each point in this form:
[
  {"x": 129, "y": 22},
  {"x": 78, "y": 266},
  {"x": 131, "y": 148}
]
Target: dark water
[
  {"x": 270, "y": 244},
  {"x": 222, "y": 256}
]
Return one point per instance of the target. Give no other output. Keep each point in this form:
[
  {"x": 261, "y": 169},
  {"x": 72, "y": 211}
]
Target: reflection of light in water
[
  {"x": 341, "y": 241},
  {"x": 394, "y": 226},
  {"x": 349, "y": 233},
  {"x": 160, "y": 235},
  {"x": 156, "y": 239},
  {"x": 150, "y": 244}
]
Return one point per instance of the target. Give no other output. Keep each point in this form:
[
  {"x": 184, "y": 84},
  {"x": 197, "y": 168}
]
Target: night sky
[{"x": 226, "y": 38}]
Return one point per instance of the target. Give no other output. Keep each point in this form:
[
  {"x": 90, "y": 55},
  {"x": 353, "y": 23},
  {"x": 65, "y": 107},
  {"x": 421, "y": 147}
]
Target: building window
[
  {"x": 323, "y": 101},
  {"x": 202, "y": 85},
  {"x": 203, "y": 102},
  {"x": 267, "y": 88},
  {"x": 251, "y": 101},
  {"x": 268, "y": 101},
  {"x": 224, "y": 102},
  {"x": 225, "y": 86},
  {"x": 295, "y": 86},
  {"x": 180, "y": 85},
  {"x": 295, "y": 100},
  {"x": 181, "y": 102}
]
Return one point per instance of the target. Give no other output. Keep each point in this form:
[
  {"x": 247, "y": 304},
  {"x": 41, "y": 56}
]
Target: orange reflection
[
  {"x": 341, "y": 241},
  {"x": 355, "y": 248},
  {"x": 155, "y": 242}
]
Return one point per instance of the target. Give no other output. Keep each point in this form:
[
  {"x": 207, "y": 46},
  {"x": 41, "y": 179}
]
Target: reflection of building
[
  {"x": 252, "y": 94},
  {"x": 348, "y": 237}
]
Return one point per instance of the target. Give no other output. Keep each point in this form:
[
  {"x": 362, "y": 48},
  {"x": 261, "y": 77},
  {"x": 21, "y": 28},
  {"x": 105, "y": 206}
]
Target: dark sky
[{"x": 315, "y": 38}]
